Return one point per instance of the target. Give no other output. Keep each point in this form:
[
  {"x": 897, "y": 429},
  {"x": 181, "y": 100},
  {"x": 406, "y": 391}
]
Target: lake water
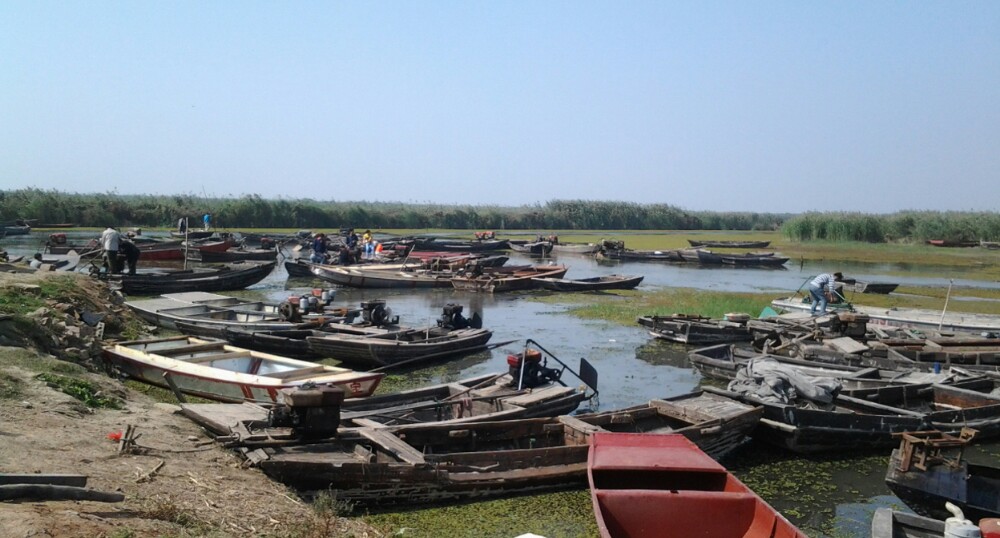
[{"x": 632, "y": 367}]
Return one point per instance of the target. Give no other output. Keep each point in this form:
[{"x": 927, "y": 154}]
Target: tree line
[{"x": 253, "y": 211}]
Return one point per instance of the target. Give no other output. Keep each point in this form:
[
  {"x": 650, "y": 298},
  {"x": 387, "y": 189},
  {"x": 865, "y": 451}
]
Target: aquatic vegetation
[
  {"x": 565, "y": 514},
  {"x": 663, "y": 301},
  {"x": 86, "y": 392}
]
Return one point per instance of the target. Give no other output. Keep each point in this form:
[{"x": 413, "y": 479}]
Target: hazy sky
[{"x": 758, "y": 106}]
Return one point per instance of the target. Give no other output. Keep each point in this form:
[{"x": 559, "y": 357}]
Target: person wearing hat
[{"x": 821, "y": 289}]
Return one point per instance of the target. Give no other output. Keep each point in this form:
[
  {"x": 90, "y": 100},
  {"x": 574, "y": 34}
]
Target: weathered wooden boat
[
  {"x": 192, "y": 234},
  {"x": 210, "y": 310},
  {"x": 640, "y": 255},
  {"x": 754, "y": 261},
  {"x": 407, "y": 345},
  {"x": 992, "y": 245},
  {"x": 519, "y": 279},
  {"x": 850, "y": 423},
  {"x": 234, "y": 276},
  {"x": 47, "y": 225},
  {"x": 864, "y": 286},
  {"x": 435, "y": 462},
  {"x": 695, "y": 329},
  {"x": 452, "y": 245},
  {"x": 537, "y": 248},
  {"x": 220, "y": 244},
  {"x": 902, "y": 317},
  {"x": 763, "y": 259},
  {"x": 575, "y": 248},
  {"x": 487, "y": 397},
  {"x": 597, "y": 283},
  {"x": 17, "y": 229},
  {"x": 663, "y": 486},
  {"x": 729, "y": 244},
  {"x": 952, "y": 243},
  {"x": 889, "y": 523},
  {"x": 237, "y": 254},
  {"x": 363, "y": 276},
  {"x": 929, "y": 469},
  {"x": 215, "y": 370},
  {"x": 973, "y": 352},
  {"x": 299, "y": 268}
]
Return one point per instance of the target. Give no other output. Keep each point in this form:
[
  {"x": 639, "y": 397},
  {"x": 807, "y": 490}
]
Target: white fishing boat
[{"x": 215, "y": 370}]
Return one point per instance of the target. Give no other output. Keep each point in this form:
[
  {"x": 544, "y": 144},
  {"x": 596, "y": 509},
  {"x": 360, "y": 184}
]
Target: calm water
[{"x": 632, "y": 367}]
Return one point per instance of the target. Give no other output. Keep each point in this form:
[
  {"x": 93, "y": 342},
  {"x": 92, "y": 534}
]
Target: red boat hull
[{"x": 664, "y": 486}]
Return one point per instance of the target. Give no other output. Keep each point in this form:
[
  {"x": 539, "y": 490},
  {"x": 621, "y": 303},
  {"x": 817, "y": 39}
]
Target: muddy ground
[{"x": 176, "y": 482}]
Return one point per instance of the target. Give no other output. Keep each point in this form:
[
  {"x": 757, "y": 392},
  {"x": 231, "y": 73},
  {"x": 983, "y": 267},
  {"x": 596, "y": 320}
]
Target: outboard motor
[
  {"x": 266, "y": 242},
  {"x": 534, "y": 373},
  {"x": 452, "y": 318},
  {"x": 310, "y": 410},
  {"x": 57, "y": 239},
  {"x": 376, "y": 313}
]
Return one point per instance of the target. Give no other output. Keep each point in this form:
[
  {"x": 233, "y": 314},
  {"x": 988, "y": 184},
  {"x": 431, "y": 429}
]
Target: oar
[{"x": 476, "y": 349}]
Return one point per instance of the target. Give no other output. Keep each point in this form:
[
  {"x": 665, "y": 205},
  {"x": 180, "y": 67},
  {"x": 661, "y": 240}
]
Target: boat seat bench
[
  {"x": 686, "y": 513},
  {"x": 218, "y": 357}
]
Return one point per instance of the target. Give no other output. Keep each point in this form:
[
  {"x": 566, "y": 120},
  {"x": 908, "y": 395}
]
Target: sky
[{"x": 767, "y": 106}]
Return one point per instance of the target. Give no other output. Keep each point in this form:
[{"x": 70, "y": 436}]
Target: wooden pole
[{"x": 951, "y": 281}]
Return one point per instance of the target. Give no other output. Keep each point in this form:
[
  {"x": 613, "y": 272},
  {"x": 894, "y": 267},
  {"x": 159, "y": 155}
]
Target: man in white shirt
[{"x": 110, "y": 240}]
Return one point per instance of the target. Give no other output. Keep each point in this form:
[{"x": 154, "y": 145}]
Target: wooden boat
[
  {"x": 435, "y": 462},
  {"x": 520, "y": 279},
  {"x": 952, "y": 243},
  {"x": 695, "y": 329},
  {"x": 192, "y": 234},
  {"x": 607, "y": 282},
  {"x": 235, "y": 276},
  {"x": 48, "y": 225},
  {"x": 754, "y": 261},
  {"x": 17, "y": 229},
  {"x": 851, "y": 423},
  {"x": 729, "y": 244},
  {"x": 663, "y": 486},
  {"x": 992, "y": 245},
  {"x": 393, "y": 347},
  {"x": 889, "y": 523},
  {"x": 929, "y": 469},
  {"x": 299, "y": 268},
  {"x": 765, "y": 259},
  {"x": 210, "y": 310},
  {"x": 640, "y": 255},
  {"x": 363, "y": 276},
  {"x": 864, "y": 286},
  {"x": 537, "y": 248},
  {"x": 575, "y": 248},
  {"x": 452, "y": 245},
  {"x": 902, "y": 317},
  {"x": 483, "y": 398},
  {"x": 215, "y": 370},
  {"x": 237, "y": 254}
]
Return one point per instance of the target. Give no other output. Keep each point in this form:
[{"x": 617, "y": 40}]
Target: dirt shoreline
[{"x": 176, "y": 483}]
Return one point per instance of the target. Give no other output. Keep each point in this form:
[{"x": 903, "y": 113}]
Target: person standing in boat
[
  {"x": 319, "y": 254},
  {"x": 110, "y": 241},
  {"x": 131, "y": 252},
  {"x": 822, "y": 289},
  {"x": 207, "y": 220},
  {"x": 182, "y": 224},
  {"x": 369, "y": 245}
]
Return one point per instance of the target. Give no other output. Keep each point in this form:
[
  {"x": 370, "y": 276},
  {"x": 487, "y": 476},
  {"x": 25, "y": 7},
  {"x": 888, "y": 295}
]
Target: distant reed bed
[{"x": 903, "y": 226}]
